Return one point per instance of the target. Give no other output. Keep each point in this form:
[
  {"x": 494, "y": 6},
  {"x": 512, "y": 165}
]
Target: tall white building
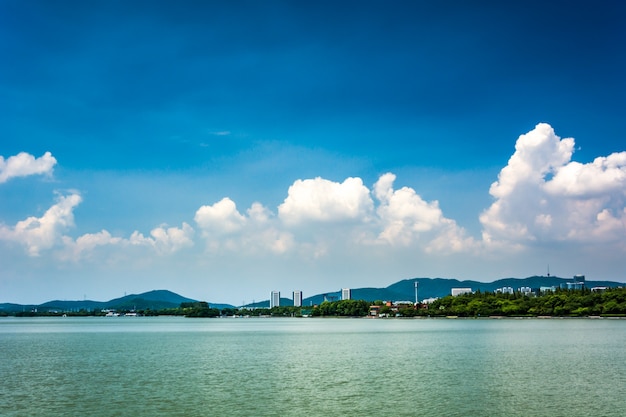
[
  {"x": 274, "y": 299},
  {"x": 346, "y": 294},
  {"x": 297, "y": 298}
]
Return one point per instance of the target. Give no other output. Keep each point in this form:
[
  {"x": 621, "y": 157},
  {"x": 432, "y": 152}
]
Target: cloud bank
[{"x": 541, "y": 197}]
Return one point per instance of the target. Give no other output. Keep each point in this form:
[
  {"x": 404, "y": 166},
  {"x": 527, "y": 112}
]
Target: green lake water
[{"x": 167, "y": 366}]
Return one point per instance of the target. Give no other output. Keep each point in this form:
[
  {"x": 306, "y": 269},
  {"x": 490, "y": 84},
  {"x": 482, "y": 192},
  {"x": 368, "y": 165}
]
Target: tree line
[{"x": 559, "y": 303}]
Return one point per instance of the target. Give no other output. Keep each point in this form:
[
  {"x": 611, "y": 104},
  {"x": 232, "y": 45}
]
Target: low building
[
  {"x": 459, "y": 291},
  {"x": 374, "y": 311}
]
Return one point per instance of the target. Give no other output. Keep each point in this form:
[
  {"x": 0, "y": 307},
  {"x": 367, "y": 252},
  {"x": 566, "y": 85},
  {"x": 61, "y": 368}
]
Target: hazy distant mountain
[
  {"x": 62, "y": 305},
  {"x": 266, "y": 303},
  {"x": 440, "y": 287},
  {"x": 153, "y": 300}
]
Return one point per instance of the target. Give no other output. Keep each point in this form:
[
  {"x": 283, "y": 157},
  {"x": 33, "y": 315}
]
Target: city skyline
[{"x": 221, "y": 151}]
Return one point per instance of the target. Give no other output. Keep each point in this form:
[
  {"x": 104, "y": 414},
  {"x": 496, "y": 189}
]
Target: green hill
[{"x": 153, "y": 300}]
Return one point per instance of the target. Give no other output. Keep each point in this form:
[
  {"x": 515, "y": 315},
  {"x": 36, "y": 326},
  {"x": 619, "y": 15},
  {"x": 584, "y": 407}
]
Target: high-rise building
[
  {"x": 297, "y": 298},
  {"x": 274, "y": 299},
  {"x": 346, "y": 294}
]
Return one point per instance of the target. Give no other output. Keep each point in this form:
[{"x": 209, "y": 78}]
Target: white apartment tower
[
  {"x": 297, "y": 298},
  {"x": 274, "y": 299},
  {"x": 346, "y": 294}
]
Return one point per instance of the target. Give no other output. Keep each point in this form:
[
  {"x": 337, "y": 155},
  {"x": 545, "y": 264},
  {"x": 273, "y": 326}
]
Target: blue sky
[{"x": 226, "y": 149}]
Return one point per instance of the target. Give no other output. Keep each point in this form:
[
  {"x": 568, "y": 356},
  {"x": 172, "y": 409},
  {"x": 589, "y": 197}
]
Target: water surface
[{"x": 168, "y": 366}]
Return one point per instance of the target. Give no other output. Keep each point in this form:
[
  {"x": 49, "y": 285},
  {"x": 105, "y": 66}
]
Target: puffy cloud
[
  {"x": 87, "y": 243},
  {"x": 164, "y": 239},
  {"x": 605, "y": 175},
  {"x": 24, "y": 164},
  {"x": 326, "y": 201},
  {"x": 258, "y": 213},
  {"x": 537, "y": 154},
  {"x": 225, "y": 228},
  {"x": 406, "y": 217},
  {"x": 40, "y": 233},
  {"x": 541, "y": 195},
  {"x": 262, "y": 240},
  {"x": 220, "y": 218},
  {"x": 48, "y": 232}
]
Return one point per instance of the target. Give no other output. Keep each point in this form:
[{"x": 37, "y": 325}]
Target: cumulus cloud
[
  {"x": 326, "y": 201},
  {"x": 542, "y": 195},
  {"x": 605, "y": 175},
  {"x": 24, "y": 164},
  {"x": 406, "y": 217},
  {"x": 225, "y": 228},
  {"x": 165, "y": 239},
  {"x": 47, "y": 232},
  {"x": 319, "y": 217},
  {"x": 75, "y": 249},
  {"x": 220, "y": 218},
  {"x": 40, "y": 233}
]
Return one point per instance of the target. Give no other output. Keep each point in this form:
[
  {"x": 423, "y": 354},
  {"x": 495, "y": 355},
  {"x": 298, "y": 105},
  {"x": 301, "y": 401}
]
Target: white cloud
[
  {"x": 320, "y": 218},
  {"x": 47, "y": 232},
  {"x": 220, "y": 218},
  {"x": 258, "y": 213},
  {"x": 75, "y": 249},
  {"x": 326, "y": 201},
  {"x": 537, "y": 154},
  {"x": 165, "y": 240},
  {"x": 406, "y": 218},
  {"x": 543, "y": 196},
  {"x": 605, "y": 175},
  {"x": 24, "y": 164},
  {"x": 40, "y": 233},
  {"x": 225, "y": 228}
]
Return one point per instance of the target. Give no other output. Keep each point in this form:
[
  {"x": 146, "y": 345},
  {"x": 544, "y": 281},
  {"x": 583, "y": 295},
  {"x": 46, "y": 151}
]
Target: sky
[{"x": 222, "y": 150}]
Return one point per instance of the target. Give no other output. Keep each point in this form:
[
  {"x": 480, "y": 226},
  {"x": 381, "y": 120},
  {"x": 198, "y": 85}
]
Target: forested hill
[
  {"x": 440, "y": 287},
  {"x": 152, "y": 300}
]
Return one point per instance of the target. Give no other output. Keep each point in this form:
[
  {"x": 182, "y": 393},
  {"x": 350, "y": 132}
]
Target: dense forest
[{"x": 578, "y": 303}]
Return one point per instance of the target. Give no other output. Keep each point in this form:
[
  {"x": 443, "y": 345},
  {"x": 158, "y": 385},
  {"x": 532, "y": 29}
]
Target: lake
[{"x": 172, "y": 366}]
